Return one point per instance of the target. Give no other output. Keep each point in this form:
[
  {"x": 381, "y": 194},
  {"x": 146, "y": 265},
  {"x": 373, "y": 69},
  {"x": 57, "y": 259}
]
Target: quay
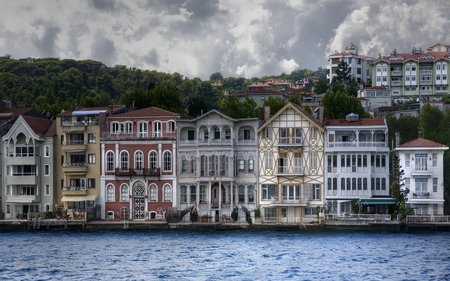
[{"x": 341, "y": 225}]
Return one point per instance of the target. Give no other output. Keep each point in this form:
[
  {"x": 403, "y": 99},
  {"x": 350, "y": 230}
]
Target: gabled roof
[
  {"x": 40, "y": 127},
  {"x": 360, "y": 122},
  {"x": 297, "y": 108},
  {"x": 211, "y": 112},
  {"x": 421, "y": 143}
]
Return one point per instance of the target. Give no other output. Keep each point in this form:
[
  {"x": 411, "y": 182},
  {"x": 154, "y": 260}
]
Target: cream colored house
[{"x": 291, "y": 167}]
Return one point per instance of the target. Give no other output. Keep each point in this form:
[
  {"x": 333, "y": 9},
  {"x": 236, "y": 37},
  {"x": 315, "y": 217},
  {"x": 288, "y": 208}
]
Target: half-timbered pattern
[
  {"x": 422, "y": 163},
  {"x": 138, "y": 174},
  {"x": 357, "y": 165},
  {"x": 217, "y": 166},
  {"x": 291, "y": 155}
]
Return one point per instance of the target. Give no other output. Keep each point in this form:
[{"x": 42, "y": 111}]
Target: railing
[
  {"x": 357, "y": 144},
  {"x": 74, "y": 188},
  {"x": 289, "y": 141},
  {"x": 419, "y": 168},
  {"x": 79, "y": 123},
  {"x": 396, "y": 82},
  {"x": 282, "y": 220},
  {"x": 290, "y": 170},
  {"x": 137, "y": 135},
  {"x": 289, "y": 200},
  {"x": 74, "y": 164},
  {"x": 350, "y": 216},
  {"x": 141, "y": 172},
  {"x": 427, "y": 218},
  {"x": 421, "y": 195},
  {"x": 246, "y": 141},
  {"x": 74, "y": 142}
]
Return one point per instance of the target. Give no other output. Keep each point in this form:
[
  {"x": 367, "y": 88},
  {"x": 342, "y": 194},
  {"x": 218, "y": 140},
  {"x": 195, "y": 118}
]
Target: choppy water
[{"x": 223, "y": 255}]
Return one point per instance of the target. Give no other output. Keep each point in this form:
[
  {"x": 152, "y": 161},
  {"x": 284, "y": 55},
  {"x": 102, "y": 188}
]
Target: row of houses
[{"x": 114, "y": 164}]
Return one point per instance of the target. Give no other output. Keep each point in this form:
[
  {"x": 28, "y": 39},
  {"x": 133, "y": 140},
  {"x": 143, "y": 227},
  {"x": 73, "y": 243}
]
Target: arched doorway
[
  {"x": 215, "y": 197},
  {"x": 139, "y": 200}
]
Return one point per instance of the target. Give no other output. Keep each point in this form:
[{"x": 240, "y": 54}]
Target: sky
[{"x": 240, "y": 38}]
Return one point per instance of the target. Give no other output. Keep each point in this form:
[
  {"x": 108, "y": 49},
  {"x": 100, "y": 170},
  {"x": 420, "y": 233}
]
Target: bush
[{"x": 234, "y": 215}]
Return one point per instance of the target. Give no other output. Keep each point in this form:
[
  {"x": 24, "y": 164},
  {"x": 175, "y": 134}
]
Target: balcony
[
  {"x": 290, "y": 170},
  {"x": 70, "y": 127},
  {"x": 75, "y": 167},
  {"x": 420, "y": 195},
  {"x": 418, "y": 170},
  {"x": 74, "y": 145},
  {"x": 74, "y": 190},
  {"x": 290, "y": 201},
  {"x": 363, "y": 144},
  {"x": 23, "y": 198},
  {"x": 143, "y": 172},
  {"x": 289, "y": 141},
  {"x": 396, "y": 82},
  {"x": 138, "y": 135},
  {"x": 246, "y": 142},
  {"x": 396, "y": 73}
]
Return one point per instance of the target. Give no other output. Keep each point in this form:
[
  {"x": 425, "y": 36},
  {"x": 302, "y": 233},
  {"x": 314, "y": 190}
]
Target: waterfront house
[
  {"x": 78, "y": 158},
  {"x": 357, "y": 165},
  {"x": 217, "y": 166},
  {"x": 291, "y": 169},
  {"x": 422, "y": 161},
  {"x": 138, "y": 177},
  {"x": 29, "y": 167}
]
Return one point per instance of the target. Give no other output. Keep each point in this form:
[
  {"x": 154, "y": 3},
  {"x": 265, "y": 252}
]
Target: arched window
[
  {"x": 170, "y": 127},
  {"x": 110, "y": 161},
  {"x": 153, "y": 193},
  {"x": 183, "y": 194},
  {"x": 110, "y": 193},
  {"x": 167, "y": 161},
  {"x": 138, "y": 160},
  {"x": 128, "y": 128},
  {"x": 115, "y": 128},
  {"x": 153, "y": 160},
  {"x": 124, "y": 195},
  {"x": 124, "y": 160},
  {"x": 142, "y": 129},
  {"x": 193, "y": 192},
  {"x": 167, "y": 189}
]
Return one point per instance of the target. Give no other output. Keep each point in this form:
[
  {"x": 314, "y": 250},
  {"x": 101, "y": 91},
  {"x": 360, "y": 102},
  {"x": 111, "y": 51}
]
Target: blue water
[{"x": 223, "y": 255}]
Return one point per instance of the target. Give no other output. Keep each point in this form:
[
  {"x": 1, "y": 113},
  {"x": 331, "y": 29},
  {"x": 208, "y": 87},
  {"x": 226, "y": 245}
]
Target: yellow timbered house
[{"x": 291, "y": 169}]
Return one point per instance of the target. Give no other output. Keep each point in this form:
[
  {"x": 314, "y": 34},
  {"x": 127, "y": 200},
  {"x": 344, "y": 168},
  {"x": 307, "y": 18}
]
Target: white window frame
[
  {"x": 167, "y": 158},
  {"x": 153, "y": 193},
  {"x": 47, "y": 170},
  {"x": 138, "y": 160},
  {"x": 124, "y": 160},
  {"x": 124, "y": 193},
  {"x": 110, "y": 197},
  {"x": 46, "y": 189},
  {"x": 110, "y": 159},
  {"x": 47, "y": 151},
  {"x": 167, "y": 193}
]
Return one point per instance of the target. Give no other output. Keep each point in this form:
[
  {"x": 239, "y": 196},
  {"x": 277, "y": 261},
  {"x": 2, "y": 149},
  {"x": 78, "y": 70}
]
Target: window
[
  {"x": 47, "y": 151},
  {"x": 435, "y": 209},
  {"x": 142, "y": 130},
  {"x": 313, "y": 134},
  {"x": 91, "y": 138},
  {"x": 191, "y": 134},
  {"x": 444, "y": 76},
  {"x": 46, "y": 169},
  {"x": 213, "y": 165},
  {"x": 224, "y": 166},
  {"x": 167, "y": 161},
  {"x": 438, "y": 77},
  {"x": 316, "y": 191},
  {"x": 110, "y": 161},
  {"x": 183, "y": 194},
  {"x": 193, "y": 191},
  {"x": 421, "y": 161},
  {"x": 251, "y": 195},
  {"x": 124, "y": 193},
  {"x": 435, "y": 184},
  {"x": 438, "y": 66},
  {"x": 268, "y": 191},
  {"x": 91, "y": 158},
  {"x": 246, "y": 134},
  {"x": 206, "y": 134},
  {"x": 434, "y": 159},
  {"x": 421, "y": 185},
  {"x": 313, "y": 162},
  {"x": 110, "y": 193},
  {"x": 157, "y": 129},
  {"x": 202, "y": 194},
  {"x": 268, "y": 160},
  {"x": 46, "y": 189},
  {"x": 241, "y": 194},
  {"x": 91, "y": 182},
  {"x": 407, "y": 159},
  {"x": 124, "y": 165},
  {"x": 167, "y": 189},
  {"x": 153, "y": 160},
  {"x": 138, "y": 160},
  {"x": 268, "y": 133},
  {"x": 241, "y": 164},
  {"x": 203, "y": 163},
  {"x": 270, "y": 214},
  {"x": 171, "y": 127},
  {"x": 153, "y": 193},
  {"x": 251, "y": 167},
  {"x": 216, "y": 133},
  {"x": 227, "y": 134}
]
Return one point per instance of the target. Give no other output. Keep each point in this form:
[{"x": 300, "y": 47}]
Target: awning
[
  {"x": 78, "y": 198},
  {"x": 19, "y": 200},
  {"x": 378, "y": 201},
  {"x": 341, "y": 199}
]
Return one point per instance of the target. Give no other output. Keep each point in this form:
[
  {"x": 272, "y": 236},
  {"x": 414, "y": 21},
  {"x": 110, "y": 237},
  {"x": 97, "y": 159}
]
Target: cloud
[{"x": 104, "y": 50}]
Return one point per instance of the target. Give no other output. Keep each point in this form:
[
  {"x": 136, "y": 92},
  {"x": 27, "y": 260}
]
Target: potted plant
[
  {"x": 257, "y": 215},
  {"x": 194, "y": 216},
  {"x": 234, "y": 216}
]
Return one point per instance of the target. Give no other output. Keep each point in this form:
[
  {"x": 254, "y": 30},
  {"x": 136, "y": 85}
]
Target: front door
[
  {"x": 139, "y": 200},
  {"x": 215, "y": 196}
]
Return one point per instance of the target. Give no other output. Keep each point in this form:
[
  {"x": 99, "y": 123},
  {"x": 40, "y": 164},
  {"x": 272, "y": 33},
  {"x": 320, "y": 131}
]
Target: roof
[
  {"x": 148, "y": 112},
  {"x": 39, "y": 125},
  {"x": 418, "y": 56},
  {"x": 421, "y": 142},
  {"x": 360, "y": 122},
  {"x": 258, "y": 92},
  {"x": 92, "y": 110}
]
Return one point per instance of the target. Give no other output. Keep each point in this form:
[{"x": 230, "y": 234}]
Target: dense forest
[{"x": 50, "y": 84}]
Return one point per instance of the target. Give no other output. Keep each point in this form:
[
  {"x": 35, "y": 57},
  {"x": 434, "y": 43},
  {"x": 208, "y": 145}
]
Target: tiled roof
[
  {"x": 360, "y": 122},
  {"x": 415, "y": 56},
  {"x": 421, "y": 142},
  {"x": 39, "y": 125},
  {"x": 147, "y": 112},
  {"x": 256, "y": 92}
]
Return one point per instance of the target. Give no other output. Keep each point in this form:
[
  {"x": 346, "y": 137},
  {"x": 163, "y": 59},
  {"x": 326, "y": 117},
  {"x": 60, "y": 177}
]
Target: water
[{"x": 223, "y": 255}]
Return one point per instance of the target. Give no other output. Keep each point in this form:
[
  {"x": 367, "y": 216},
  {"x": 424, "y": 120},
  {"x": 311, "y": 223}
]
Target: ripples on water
[{"x": 223, "y": 255}]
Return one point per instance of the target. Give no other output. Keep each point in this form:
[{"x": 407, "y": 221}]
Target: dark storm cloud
[
  {"x": 202, "y": 10},
  {"x": 152, "y": 58},
  {"x": 104, "y": 5},
  {"x": 46, "y": 44},
  {"x": 172, "y": 7},
  {"x": 104, "y": 50}
]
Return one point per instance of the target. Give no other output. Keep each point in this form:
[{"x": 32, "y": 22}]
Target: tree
[
  {"x": 275, "y": 104},
  {"x": 137, "y": 98},
  {"x": 430, "y": 121},
  {"x": 342, "y": 73},
  {"x": 406, "y": 126},
  {"x": 196, "y": 107},
  {"x": 232, "y": 107},
  {"x": 321, "y": 86},
  {"x": 398, "y": 191},
  {"x": 166, "y": 97},
  {"x": 339, "y": 105},
  {"x": 216, "y": 77},
  {"x": 295, "y": 99}
]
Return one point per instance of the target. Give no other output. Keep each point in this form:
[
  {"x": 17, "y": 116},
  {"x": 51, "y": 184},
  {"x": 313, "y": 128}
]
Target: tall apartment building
[
  {"x": 79, "y": 156},
  {"x": 414, "y": 75},
  {"x": 358, "y": 64}
]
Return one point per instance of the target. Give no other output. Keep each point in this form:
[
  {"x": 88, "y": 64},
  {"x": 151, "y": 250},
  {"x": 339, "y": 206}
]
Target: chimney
[
  {"x": 72, "y": 106},
  {"x": 261, "y": 114},
  {"x": 266, "y": 113},
  {"x": 110, "y": 110}
]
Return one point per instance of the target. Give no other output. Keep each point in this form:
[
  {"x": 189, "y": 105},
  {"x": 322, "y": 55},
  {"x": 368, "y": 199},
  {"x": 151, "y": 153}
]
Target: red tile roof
[
  {"x": 360, "y": 122},
  {"x": 39, "y": 125},
  {"x": 147, "y": 112},
  {"x": 421, "y": 142},
  {"x": 415, "y": 56}
]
